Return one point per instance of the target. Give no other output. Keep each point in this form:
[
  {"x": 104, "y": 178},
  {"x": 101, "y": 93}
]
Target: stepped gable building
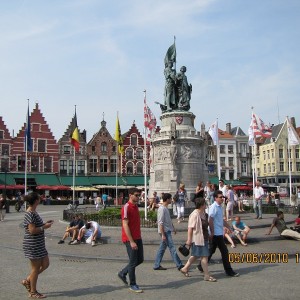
[
  {"x": 66, "y": 152},
  {"x": 133, "y": 156},
  {"x": 44, "y": 156},
  {"x": 101, "y": 153},
  {"x": 274, "y": 159},
  {"x": 6, "y": 163}
]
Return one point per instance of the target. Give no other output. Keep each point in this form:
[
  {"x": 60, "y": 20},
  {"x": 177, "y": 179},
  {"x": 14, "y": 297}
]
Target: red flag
[
  {"x": 149, "y": 119},
  {"x": 259, "y": 127}
]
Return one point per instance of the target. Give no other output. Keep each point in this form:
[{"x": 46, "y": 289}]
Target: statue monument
[{"x": 178, "y": 150}]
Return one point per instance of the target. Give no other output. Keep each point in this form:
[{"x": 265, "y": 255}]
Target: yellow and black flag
[{"x": 118, "y": 137}]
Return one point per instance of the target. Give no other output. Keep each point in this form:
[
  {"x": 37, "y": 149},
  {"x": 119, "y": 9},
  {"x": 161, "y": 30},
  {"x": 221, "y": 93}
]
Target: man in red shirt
[{"x": 131, "y": 237}]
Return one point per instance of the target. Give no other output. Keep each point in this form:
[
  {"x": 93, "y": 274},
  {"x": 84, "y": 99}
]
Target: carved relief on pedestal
[
  {"x": 159, "y": 176},
  {"x": 187, "y": 152}
]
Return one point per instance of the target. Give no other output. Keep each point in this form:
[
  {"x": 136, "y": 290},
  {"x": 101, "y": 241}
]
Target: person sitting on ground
[
  {"x": 72, "y": 229},
  {"x": 227, "y": 234},
  {"x": 297, "y": 224},
  {"x": 241, "y": 230},
  {"x": 154, "y": 202},
  {"x": 91, "y": 231},
  {"x": 282, "y": 228}
]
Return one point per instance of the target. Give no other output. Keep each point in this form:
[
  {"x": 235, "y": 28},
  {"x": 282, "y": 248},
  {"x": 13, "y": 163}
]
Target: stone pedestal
[{"x": 178, "y": 154}]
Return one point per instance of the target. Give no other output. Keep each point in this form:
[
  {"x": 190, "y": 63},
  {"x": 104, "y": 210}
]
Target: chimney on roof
[
  {"x": 293, "y": 122},
  {"x": 228, "y": 128}
]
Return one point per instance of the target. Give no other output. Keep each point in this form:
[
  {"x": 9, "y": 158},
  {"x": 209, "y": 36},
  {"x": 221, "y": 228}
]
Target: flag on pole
[
  {"x": 214, "y": 132},
  {"x": 28, "y": 141},
  {"x": 149, "y": 119},
  {"x": 118, "y": 137},
  {"x": 75, "y": 134},
  {"x": 293, "y": 138},
  {"x": 251, "y": 141},
  {"x": 259, "y": 128}
]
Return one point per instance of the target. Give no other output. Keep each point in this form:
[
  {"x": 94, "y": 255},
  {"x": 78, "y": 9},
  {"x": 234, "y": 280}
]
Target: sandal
[
  {"x": 36, "y": 295},
  {"x": 26, "y": 284},
  {"x": 210, "y": 279},
  {"x": 186, "y": 274}
]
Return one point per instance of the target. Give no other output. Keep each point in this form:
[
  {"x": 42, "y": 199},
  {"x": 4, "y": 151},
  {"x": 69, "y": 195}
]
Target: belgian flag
[{"x": 75, "y": 134}]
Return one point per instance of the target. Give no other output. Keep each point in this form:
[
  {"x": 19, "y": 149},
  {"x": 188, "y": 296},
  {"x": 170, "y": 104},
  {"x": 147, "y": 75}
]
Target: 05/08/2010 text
[{"x": 254, "y": 258}]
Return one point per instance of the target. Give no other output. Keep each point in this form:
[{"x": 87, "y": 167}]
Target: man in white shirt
[
  {"x": 258, "y": 192},
  {"x": 223, "y": 189},
  {"x": 91, "y": 231}
]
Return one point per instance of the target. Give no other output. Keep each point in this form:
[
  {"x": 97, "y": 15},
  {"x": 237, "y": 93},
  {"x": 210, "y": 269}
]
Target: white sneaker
[
  {"x": 93, "y": 243},
  {"x": 75, "y": 242}
]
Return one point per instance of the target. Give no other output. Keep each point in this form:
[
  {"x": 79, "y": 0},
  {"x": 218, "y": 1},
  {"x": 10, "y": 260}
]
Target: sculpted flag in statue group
[{"x": 177, "y": 93}]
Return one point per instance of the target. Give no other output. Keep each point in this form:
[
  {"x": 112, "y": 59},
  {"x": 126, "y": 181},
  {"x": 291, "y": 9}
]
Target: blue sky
[{"x": 101, "y": 55}]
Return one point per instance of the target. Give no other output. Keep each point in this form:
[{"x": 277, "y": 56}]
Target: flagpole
[
  {"x": 118, "y": 152},
  {"x": 74, "y": 169},
  {"x": 253, "y": 156},
  {"x": 75, "y": 141},
  {"x": 289, "y": 155},
  {"x": 26, "y": 150},
  {"x": 218, "y": 151},
  {"x": 145, "y": 161},
  {"x": 117, "y": 166}
]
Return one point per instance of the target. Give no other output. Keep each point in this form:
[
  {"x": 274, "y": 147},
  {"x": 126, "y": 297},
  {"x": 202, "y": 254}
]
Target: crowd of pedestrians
[{"x": 208, "y": 227}]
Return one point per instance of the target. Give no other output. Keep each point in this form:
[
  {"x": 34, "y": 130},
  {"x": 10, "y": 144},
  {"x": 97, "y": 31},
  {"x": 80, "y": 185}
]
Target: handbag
[
  {"x": 184, "y": 250},
  {"x": 176, "y": 197}
]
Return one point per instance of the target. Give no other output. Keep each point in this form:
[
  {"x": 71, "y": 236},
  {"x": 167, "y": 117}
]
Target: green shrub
[
  {"x": 110, "y": 212},
  {"x": 151, "y": 215}
]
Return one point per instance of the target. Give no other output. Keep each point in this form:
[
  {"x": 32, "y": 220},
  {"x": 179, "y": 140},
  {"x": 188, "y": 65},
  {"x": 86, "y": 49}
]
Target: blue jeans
[
  {"x": 257, "y": 208},
  {"x": 162, "y": 248},
  {"x": 136, "y": 257}
]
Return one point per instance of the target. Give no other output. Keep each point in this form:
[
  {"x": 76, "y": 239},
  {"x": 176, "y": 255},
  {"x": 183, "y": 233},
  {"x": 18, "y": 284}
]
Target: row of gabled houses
[{"x": 98, "y": 158}]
